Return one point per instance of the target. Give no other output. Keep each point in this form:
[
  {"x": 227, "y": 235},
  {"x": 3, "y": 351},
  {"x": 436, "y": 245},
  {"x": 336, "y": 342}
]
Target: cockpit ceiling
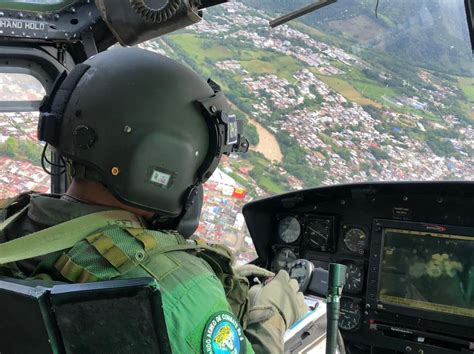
[{"x": 36, "y": 5}]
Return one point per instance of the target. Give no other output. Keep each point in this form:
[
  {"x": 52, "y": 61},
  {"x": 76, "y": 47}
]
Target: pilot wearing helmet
[{"x": 140, "y": 134}]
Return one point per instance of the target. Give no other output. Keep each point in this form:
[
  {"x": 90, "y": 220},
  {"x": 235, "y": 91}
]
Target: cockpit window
[
  {"x": 341, "y": 95},
  {"x": 20, "y": 87},
  {"x": 20, "y": 152}
]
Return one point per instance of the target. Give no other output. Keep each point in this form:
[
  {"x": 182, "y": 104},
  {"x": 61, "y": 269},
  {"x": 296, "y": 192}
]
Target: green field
[
  {"x": 466, "y": 84},
  {"x": 280, "y": 65},
  {"x": 468, "y": 109},
  {"x": 193, "y": 45},
  {"x": 201, "y": 51},
  {"x": 258, "y": 62},
  {"x": 373, "y": 90},
  {"x": 356, "y": 87},
  {"x": 267, "y": 184},
  {"x": 263, "y": 172},
  {"x": 344, "y": 88}
]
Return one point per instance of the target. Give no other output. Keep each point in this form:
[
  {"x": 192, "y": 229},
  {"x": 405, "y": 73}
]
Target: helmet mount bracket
[{"x": 224, "y": 129}]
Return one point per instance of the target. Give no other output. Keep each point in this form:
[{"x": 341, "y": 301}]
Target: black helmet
[{"x": 148, "y": 128}]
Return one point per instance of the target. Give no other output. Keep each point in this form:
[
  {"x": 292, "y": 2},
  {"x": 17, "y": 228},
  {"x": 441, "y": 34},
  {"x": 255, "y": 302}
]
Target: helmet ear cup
[{"x": 53, "y": 106}]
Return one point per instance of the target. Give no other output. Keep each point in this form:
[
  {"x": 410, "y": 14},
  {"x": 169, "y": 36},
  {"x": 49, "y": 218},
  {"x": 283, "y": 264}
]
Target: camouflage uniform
[{"x": 192, "y": 290}]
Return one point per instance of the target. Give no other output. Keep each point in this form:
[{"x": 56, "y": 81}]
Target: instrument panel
[
  {"x": 309, "y": 232},
  {"x": 336, "y": 224},
  {"x": 311, "y": 236}
]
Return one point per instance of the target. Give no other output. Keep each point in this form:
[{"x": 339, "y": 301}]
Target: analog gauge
[
  {"x": 317, "y": 233},
  {"x": 354, "y": 278},
  {"x": 284, "y": 257},
  {"x": 350, "y": 314},
  {"x": 289, "y": 229},
  {"x": 355, "y": 240}
]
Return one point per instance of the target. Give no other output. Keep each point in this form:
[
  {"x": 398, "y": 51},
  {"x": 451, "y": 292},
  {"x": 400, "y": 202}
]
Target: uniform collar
[{"x": 51, "y": 210}]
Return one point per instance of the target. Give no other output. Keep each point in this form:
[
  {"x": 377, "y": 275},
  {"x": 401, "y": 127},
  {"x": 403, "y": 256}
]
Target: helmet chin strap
[
  {"x": 79, "y": 170},
  {"x": 159, "y": 222}
]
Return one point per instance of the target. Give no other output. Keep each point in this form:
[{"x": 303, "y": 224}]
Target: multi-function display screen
[{"x": 427, "y": 271}]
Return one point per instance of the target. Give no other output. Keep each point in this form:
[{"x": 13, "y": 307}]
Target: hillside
[
  {"x": 339, "y": 113},
  {"x": 430, "y": 33}
]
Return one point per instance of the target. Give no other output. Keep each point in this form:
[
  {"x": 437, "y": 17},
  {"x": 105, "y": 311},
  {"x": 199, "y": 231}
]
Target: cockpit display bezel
[{"x": 375, "y": 267}]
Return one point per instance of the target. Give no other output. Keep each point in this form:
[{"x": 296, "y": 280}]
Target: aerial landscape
[{"x": 341, "y": 96}]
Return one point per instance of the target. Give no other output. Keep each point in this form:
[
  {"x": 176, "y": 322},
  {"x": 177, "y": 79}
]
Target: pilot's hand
[
  {"x": 252, "y": 271},
  {"x": 278, "y": 298}
]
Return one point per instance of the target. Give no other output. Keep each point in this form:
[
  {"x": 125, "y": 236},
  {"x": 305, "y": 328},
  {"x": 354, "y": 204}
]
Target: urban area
[{"x": 316, "y": 113}]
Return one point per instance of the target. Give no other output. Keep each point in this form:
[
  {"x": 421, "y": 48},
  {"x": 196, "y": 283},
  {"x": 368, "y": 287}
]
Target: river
[{"x": 268, "y": 145}]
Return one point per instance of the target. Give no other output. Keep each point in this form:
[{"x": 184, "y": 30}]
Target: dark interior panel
[{"x": 409, "y": 248}]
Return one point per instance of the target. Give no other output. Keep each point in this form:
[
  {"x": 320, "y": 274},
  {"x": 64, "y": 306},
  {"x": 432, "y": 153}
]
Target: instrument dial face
[
  {"x": 301, "y": 270},
  {"x": 355, "y": 240},
  {"x": 350, "y": 314},
  {"x": 289, "y": 229},
  {"x": 317, "y": 232},
  {"x": 354, "y": 278},
  {"x": 284, "y": 257}
]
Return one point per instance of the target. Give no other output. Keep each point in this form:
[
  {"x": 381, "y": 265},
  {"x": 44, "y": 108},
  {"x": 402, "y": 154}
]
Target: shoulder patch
[{"x": 223, "y": 335}]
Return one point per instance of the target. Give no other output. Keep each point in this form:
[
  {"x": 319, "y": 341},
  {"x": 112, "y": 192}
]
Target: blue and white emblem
[{"x": 223, "y": 335}]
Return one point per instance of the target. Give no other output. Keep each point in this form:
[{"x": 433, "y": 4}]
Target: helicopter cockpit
[{"x": 408, "y": 246}]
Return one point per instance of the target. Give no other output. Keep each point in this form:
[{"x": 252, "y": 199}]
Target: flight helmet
[{"x": 148, "y": 128}]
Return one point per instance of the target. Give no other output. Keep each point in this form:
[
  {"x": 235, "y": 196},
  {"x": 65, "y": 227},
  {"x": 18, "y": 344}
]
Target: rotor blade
[{"x": 303, "y": 11}]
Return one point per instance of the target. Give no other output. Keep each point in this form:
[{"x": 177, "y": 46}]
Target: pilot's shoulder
[
  {"x": 131, "y": 252},
  {"x": 217, "y": 248}
]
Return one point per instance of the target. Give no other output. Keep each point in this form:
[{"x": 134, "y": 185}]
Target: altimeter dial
[
  {"x": 351, "y": 314},
  {"x": 354, "y": 278},
  {"x": 289, "y": 229},
  {"x": 355, "y": 240}
]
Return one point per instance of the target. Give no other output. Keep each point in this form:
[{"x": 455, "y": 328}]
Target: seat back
[
  {"x": 25, "y": 319},
  {"x": 117, "y": 316}
]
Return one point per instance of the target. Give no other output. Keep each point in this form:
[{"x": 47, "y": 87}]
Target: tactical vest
[{"x": 121, "y": 248}]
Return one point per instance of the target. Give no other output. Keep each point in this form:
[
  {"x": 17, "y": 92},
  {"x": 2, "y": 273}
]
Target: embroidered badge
[{"x": 223, "y": 335}]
